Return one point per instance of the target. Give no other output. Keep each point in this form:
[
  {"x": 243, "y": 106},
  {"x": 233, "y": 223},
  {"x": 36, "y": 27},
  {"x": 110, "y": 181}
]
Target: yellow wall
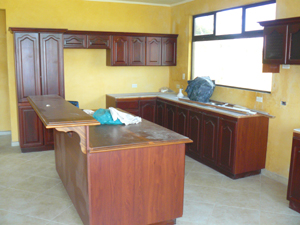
[
  {"x": 87, "y": 78},
  {"x": 4, "y": 94},
  {"x": 285, "y": 85}
]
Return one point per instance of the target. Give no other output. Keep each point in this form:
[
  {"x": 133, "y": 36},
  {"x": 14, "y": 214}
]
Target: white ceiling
[{"x": 148, "y": 2}]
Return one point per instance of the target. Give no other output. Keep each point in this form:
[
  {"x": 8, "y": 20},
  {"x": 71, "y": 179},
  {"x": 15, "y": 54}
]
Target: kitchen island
[{"x": 116, "y": 174}]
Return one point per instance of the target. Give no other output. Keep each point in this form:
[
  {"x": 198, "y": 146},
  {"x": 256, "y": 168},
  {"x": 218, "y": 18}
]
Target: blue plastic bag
[
  {"x": 200, "y": 89},
  {"x": 104, "y": 117}
]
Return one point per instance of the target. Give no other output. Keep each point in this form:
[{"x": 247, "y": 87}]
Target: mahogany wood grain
[
  {"x": 52, "y": 67},
  {"x": 160, "y": 113},
  {"x": 75, "y": 41},
  {"x": 138, "y": 186},
  {"x": 48, "y": 136},
  {"x": 181, "y": 125},
  {"x": 137, "y": 51},
  {"x": 55, "y": 112},
  {"x": 98, "y": 41},
  {"x": 293, "y": 193},
  {"x": 293, "y": 46},
  {"x": 118, "y": 55},
  {"x": 147, "y": 109},
  {"x": 169, "y": 51},
  {"x": 195, "y": 133},
  {"x": 153, "y": 57},
  {"x": 271, "y": 68},
  {"x": 27, "y": 64},
  {"x": 170, "y": 116}
]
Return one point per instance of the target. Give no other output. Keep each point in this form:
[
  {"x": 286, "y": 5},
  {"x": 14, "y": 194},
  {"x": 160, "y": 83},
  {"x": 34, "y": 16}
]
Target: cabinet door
[
  {"x": 182, "y": 121},
  {"x": 27, "y": 65},
  {"x": 293, "y": 50},
  {"x": 227, "y": 138},
  {"x": 119, "y": 52},
  {"x": 137, "y": 51},
  {"x": 153, "y": 57},
  {"x": 148, "y": 109},
  {"x": 170, "y": 117},
  {"x": 210, "y": 138},
  {"x": 74, "y": 41},
  {"x": 194, "y": 133},
  {"x": 30, "y": 128},
  {"x": 160, "y": 113},
  {"x": 275, "y": 42},
  {"x": 52, "y": 68},
  {"x": 169, "y": 50},
  {"x": 131, "y": 106},
  {"x": 98, "y": 41},
  {"x": 294, "y": 176}
]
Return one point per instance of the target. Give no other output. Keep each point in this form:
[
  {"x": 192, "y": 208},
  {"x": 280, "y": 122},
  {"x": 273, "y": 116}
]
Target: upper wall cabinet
[
  {"x": 118, "y": 54},
  {"x": 169, "y": 51},
  {"x": 74, "y": 41},
  {"x": 281, "y": 41},
  {"x": 137, "y": 48},
  {"x": 153, "y": 51},
  {"x": 98, "y": 41}
]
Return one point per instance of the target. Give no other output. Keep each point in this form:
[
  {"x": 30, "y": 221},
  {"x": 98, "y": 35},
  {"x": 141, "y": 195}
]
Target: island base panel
[
  {"x": 137, "y": 186},
  {"x": 71, "y": 165}
]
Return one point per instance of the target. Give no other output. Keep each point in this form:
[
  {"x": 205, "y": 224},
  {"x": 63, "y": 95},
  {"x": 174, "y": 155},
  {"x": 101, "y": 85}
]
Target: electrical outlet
[
  {"x": 177, "y": 85},
  {"x": 286, "y": 66},
  {"x": 283, "y": 103},
  {"x": 183, "y": 76},
  {"x": 134, "y": 85},
  {"x": 259, "y": 99}
]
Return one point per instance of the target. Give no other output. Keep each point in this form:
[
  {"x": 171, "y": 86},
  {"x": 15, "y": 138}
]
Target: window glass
[
  {"x": 204, "y": 25},
  {"x": 233, "y": 62},
  {"x": 257, "y": 14},
  {"x": 229, "y": 22}
]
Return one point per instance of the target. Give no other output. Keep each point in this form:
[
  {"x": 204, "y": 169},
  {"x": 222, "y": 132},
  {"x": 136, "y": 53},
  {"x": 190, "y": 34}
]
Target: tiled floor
[{"x": 31, "y": 193}]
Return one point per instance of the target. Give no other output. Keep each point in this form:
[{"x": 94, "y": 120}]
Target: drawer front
[{"x": 128, "y": 105}]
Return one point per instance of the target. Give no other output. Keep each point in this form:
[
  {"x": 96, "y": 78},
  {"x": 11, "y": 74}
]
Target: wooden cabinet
[
  {"x": 281, "y": 41},
  {"x": 39, "y": 71},
  {"x": 293, "y": 193},
  {"x": 131, "y": 106},
  {"x": 98, "y": 41},
  {"x": 75, "y": 41},
  {"x": 153, "y": 57},
  {"x": 137, "y": 48},
  {"x": 194, "y": 132},
  {"x": 118, "y": 54},
  {"x": 209, "y": 138},
  {"x": 227, "y": 144},
  {"x": 234, "y": 145},
  {"x": 169, "y": 51},
  {"x": 147, "y": 109}
]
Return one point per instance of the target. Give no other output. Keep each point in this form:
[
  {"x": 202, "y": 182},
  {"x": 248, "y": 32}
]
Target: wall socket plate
[
  {"x": 134, "y": 85},
  {"x": 259, "y": 99},
  {"x": 183, "y": 76},
  {"x": 177, "y": 85}
]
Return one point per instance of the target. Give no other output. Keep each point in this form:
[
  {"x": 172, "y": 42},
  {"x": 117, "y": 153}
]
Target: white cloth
[{"x": 124, "y": 117}]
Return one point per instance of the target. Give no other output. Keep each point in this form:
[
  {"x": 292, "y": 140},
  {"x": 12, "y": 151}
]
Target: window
[{"x": 227, "y": 46}]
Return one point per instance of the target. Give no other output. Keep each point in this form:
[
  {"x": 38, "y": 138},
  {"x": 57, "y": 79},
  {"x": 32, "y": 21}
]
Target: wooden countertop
[
  {"x": 56, "y": 112},
  {"x": 120, "y": 137}
]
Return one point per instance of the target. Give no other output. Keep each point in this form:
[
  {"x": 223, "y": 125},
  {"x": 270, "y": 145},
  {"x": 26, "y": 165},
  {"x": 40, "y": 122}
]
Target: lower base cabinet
[
  {"x": 234, "y": 145},
  {"x": 293, "y": 194},
  {"x": 33, "y": 135}
]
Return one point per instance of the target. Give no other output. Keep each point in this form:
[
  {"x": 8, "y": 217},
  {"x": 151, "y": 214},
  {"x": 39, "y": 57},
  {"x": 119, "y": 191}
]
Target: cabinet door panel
[
  {"x": 170, "y": 117},
  {"x": 182, "y": 121},
  {"x": 52, "y": 68},
  {"x": 27, "y": 65},
  {"x": 153, "y": 51},
  {"x": 48, "y": 136},
  {"x": 293, "y": 50},
  {"x": 210, "y": 135},
  {"x": 120, "y": 51},
  {"x": 160, "y": 113},
  {"x": 227, "y": 144},
  {"x": 169, "y": 51},
  {"x": 195, "y": 133},
  {"x": 98, "y": 41},
  {"x": 30, "y": 128},
  {"x": 294, "y": 181},
  {"x": 148, "y": 109},
  {"x": 137, "y": 51},
  {"x": 74, "y": 41},
  {"x": 274, "y": 51}
]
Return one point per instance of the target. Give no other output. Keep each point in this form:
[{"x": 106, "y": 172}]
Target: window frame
[{"x": 243, "y": 34}]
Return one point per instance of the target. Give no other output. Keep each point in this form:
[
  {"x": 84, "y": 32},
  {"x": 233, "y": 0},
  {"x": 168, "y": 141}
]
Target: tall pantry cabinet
[{"x": 39, "y": 71}]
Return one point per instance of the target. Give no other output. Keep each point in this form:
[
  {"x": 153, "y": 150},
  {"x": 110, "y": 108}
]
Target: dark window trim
[{"x": 244, "y": 34}]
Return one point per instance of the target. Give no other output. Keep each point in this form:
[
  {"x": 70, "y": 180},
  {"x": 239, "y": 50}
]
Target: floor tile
[
  {"x": 269, "y": 186},
  {"x": 251, "y": 183},
  {"x": 204, "y": 179},
  {"x": 9, "y": 178},
  {"x": 69, "y": 216},
  {"x": 200, "y": 193},
  {"x": 9, "y": 218},
  {"x": 234, "y": 216},
  {"x": 278, "y": 219},
  {"x": 57, "y": 191},
  {"x": 199, "y": 167}
]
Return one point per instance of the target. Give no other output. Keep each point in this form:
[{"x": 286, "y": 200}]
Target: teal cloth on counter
[{"x": 104, "y": 117}]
